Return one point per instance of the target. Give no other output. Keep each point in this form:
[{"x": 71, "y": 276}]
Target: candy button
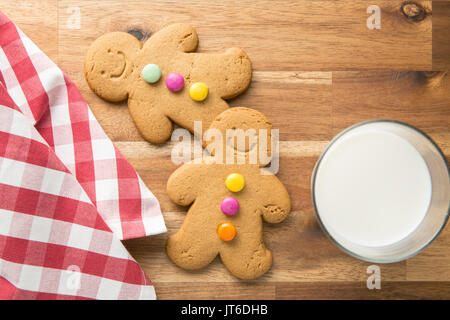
[
  {"x": 226, "y": 231},
  {"x": 229, "y": 206},
  {"x": 151, "y": 73},
  {"x": 174, "y": 82},
  {"x": 198, "y": 91},
  {"x": 235, "y": 182}
]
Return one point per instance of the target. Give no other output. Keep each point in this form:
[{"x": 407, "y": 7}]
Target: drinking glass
[{"x": 438, "y": 211}]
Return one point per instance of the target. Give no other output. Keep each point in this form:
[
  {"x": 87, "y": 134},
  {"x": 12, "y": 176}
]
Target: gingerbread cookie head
[
  {"x": 228, "y": 203},
  {"x": 241, "y": 135},
  {"x": 164, "y": 80}
]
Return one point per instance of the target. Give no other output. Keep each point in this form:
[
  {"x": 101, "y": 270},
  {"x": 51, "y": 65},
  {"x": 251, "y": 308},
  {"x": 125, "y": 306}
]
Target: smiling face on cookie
[
  {"x": 246, "y": 134},
  {"x": 164, "y": 80},
  {"x": 107, "y": 66}
]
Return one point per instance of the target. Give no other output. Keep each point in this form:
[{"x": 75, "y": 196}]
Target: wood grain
[
  {"x": 419, "y": 98},
  {"x": 317, "y": 70},
  {"x": 291, "y": 91},
  {"x": 441, "y": 43},
  {"x": 327, "y": 35},
  {"x": 392, "y": 290}
]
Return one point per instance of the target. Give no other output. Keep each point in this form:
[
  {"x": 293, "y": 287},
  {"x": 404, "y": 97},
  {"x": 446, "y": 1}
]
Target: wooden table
[{"x": 317, "y": 70}]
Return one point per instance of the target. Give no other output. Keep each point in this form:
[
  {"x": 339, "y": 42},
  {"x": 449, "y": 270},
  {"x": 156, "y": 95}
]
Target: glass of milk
[{"x": 381, "y": 190}]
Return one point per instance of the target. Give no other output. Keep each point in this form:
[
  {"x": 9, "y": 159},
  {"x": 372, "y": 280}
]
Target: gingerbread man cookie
[
  {"x": 228, "y": 203},
  {"x": 164, "y": 80}
]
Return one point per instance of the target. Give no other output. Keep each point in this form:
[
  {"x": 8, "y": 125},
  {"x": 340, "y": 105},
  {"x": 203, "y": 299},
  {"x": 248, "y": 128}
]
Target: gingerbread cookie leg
[
  {"x": 190, "y": 254},
  {"x": 247, "y": 257}
]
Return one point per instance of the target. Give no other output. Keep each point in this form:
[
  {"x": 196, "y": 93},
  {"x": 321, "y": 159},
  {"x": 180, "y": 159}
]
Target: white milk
[{"x": 372, "y": 188}]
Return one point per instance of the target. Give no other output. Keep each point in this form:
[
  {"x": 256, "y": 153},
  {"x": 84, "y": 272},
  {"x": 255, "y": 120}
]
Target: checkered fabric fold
[
  {"x": 67, "y": 195},
  {"x": 53, "y": 242},
  {"x": 46, "y": 96}
]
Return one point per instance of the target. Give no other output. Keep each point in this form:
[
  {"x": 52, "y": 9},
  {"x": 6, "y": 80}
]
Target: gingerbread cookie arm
[
  {"x": 229, "y": 73},
  {"x": 183, "y": 184},
  {"x": 178, "y": 36},
  {"x": 275, "y": 200},
  {"x": 153, "y": 124},
  {"x": 108, "y": 65}
]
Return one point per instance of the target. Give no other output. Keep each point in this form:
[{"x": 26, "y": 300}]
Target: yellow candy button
[
  {"x": 198, "y": 91},
  {"x": 235, "y": 182},
  {"x": 226, "y": 231}
]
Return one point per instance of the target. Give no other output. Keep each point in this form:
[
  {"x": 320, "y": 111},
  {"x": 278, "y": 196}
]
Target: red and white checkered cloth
[
  {"x": 47, "y": 97},
  {"x": 63, "y": 188}
]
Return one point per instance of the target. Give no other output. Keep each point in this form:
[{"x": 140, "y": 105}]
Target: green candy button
[{"x": 151, "y": 73}]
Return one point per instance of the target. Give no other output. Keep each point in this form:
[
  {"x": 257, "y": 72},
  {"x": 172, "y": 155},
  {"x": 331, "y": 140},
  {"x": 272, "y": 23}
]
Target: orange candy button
[{"x": 226, "y": 231}]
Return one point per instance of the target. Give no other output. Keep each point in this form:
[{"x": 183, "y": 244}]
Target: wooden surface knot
[
  {"x": 413, "y": 11},
  {"x": 139, "y": 34},
  {"x": 433, "y": 78}
]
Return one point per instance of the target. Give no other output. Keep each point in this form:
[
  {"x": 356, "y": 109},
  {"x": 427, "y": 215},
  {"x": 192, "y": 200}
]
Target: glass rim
[{"x": 316, "y": 211}]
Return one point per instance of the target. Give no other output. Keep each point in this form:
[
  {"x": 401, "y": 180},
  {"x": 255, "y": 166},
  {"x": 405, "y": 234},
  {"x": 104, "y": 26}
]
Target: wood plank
[
  {"x": 433, "y": 264},
  {"x": 135, "y": 150},
  {"x": 441, "y": 41},
  {"x": 298, "y": 103},
  {"x": 418, "y": 98},
  {"x": 312, "y": 258},
  {"x": 306, "y": 35},
  {"x": 295, "y": 173},
  {"x": 345, "y": 290},
  {"x": 393, "y": 290},
  {"x": 29, "y": 15},
  {"x": 207, "y": 290}
]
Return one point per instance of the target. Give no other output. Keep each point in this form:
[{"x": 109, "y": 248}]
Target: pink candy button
[
  {"x": 174, "y": 82},
  {"x": 229, "y": 206}
]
